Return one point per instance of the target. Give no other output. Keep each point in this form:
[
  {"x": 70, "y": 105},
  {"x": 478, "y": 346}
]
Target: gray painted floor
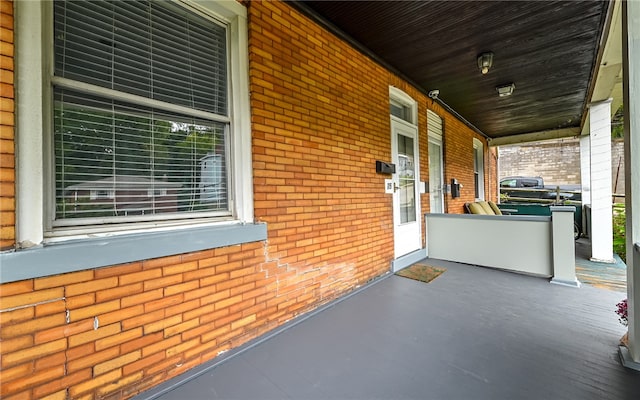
[{"x": 472, "y": 333}]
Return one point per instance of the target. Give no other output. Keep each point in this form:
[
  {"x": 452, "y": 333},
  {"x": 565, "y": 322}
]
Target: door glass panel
[
  {"x": 478, "y": 167},
  {"x": 406, "y": 179},
  {"x": 435, "y": 177},
  {"x": 401, "y": 111}
]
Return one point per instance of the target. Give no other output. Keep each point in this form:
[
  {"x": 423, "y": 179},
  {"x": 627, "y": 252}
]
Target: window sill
[{"x": 71, "y": 256}]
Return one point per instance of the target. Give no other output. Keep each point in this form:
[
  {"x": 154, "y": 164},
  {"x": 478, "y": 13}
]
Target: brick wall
[
  {"x": 556, "y": 161},
  {"x": 111, "y": 332},
  {"x": 319, "y": 113},
  {"x": 320, "y": 119},
  {"x": 458, "y": 160},
  {"x": 7, "y": 174}
]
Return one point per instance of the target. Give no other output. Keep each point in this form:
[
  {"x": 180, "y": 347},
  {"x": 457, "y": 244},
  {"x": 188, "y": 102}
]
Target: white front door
[
  {"x": 406, "y": 197},
  {"x": 436, "y": 197}
]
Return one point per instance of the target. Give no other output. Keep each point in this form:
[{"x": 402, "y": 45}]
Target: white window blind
[
  {"x": 478, "y": 169},
  {"x": 140, "y": 112}
]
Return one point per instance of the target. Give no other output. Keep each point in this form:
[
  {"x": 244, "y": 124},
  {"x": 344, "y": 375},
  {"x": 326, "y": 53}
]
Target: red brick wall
[
  {"x": 156, "y": 319},
  {"x": 320, "y": 119},
  {"x": 7, "y": 174},
  {"x": 458, "y": 160}
]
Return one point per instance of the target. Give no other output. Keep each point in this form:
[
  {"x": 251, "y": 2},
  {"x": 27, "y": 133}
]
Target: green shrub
[{"x": 619, "y": 242}]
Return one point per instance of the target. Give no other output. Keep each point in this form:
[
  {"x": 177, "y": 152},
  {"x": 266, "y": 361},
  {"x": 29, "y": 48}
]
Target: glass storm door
[
  {"x": 406, "y": 206},
  {"x": 436, "y": 197}
]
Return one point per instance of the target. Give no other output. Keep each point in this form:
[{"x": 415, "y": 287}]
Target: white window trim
[
  {"x": 95, "y": 194},
  {"x": 34, "y": 150},
  {"x": 151, "y": 193},
  {"x": 29, "y": 63},
  {"x": 478, "y": 150},
  {"x": 431, "y": 118},
  {"x": 403, "y": 98}
]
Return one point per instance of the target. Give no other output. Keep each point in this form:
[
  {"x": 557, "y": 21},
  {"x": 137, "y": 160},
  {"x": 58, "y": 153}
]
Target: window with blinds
[{"x": 141, "y": 117}]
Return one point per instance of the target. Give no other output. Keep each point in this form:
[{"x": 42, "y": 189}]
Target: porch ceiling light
[
  {"x": 485, "y": 61},
  {"x": 505, "y": 90}
]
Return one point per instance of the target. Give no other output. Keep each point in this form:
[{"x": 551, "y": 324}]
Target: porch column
[
  {"x": 29, "y": 146},
  {"x": 600, "y": 167},
  {"x": 585, "y": 180},
  {"x": 564, "y": 251},
  {"x": 631, "y": 67}
]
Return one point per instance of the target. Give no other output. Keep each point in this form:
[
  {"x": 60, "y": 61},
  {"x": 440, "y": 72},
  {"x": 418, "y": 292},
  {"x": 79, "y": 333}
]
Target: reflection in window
[
  {"x": 112, "y": 159},
  {"x": 406, "y": 176},
  {"x": 400, "y": 110},
  {"x": 146, "y": 135},
  {"x": 511, "y": 183},
  {"x": 478, "y": 169}
]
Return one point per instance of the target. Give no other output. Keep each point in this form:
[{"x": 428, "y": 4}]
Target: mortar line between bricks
[
  {"x": 66, "y": 352},
  {"x": 35, "y": 304}
]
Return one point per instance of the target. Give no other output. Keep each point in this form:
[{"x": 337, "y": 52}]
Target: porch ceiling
[{"x": 548, "y": 49}]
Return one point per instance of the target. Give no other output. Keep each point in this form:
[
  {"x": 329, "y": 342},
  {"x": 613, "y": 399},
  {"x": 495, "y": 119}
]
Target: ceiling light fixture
[
  {"x": 505, "y": 90},
  {"x": 485, "y": 61}
]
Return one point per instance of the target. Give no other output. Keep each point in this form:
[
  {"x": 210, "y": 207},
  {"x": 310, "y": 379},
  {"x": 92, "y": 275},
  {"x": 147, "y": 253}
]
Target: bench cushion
[
  {"x": 475, "y": 208},
  {"x": 486, "y": 207},
  {"x": 495, "y": 208}
]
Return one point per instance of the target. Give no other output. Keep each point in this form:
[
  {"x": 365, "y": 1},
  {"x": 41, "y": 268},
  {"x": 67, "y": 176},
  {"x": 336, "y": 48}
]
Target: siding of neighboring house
[
  {"x": 128, "y": 201},
  {"x": 557, "y": 162},
  {"x": 320, "y": 120}
]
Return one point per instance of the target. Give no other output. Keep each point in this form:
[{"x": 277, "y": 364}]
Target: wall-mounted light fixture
[
  {"x": 485, "y": 61},
  {"x": 505, "y": 90}
]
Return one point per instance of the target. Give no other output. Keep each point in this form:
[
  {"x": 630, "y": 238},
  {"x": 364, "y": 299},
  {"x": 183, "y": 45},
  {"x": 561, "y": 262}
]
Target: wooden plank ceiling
[{"x": 548, "y": 49}]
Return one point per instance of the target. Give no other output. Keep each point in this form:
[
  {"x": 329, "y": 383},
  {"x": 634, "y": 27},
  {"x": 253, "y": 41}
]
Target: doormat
[{"x": 421, "y": 272}]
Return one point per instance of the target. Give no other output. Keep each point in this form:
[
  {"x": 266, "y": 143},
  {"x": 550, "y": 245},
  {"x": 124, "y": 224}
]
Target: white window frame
[
  {"x": 35, "y": 171},
  {"x": 400, "y": 97},
  {"x": 151, "y": 193},
  {"x": 435, "y": 135},
  {"x": 478, "y": 167},
  {"x": 101, "y": 194}
]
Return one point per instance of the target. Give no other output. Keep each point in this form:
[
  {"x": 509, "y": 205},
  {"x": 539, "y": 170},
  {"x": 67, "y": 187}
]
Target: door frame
[
  {"x": 403, "y": 110},
  {"x": 404, "y": 245},
  {"x": 435, "y": 135},
  {"x": 432, "y": 186}
]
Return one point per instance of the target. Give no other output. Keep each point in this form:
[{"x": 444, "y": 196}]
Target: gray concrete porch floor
[{"x": 472, "y": 333}]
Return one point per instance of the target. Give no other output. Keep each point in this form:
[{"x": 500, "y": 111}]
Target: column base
[
  {"x": 626, "y": 360},
  {"x": 604, "y": 261},
  {"x": 571, "y": 283}
]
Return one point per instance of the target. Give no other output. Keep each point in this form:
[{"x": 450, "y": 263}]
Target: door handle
[{"x": 395, "y": 187}]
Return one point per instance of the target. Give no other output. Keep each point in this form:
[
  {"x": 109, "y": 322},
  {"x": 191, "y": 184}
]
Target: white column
[
  {"x": 29, "y": 122},
  {"x": 564, "y": 251},
  {"x": 631, "y": 66},
  {"x": 601, "y": 203},
  {"x": 585, "y": 180}
]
